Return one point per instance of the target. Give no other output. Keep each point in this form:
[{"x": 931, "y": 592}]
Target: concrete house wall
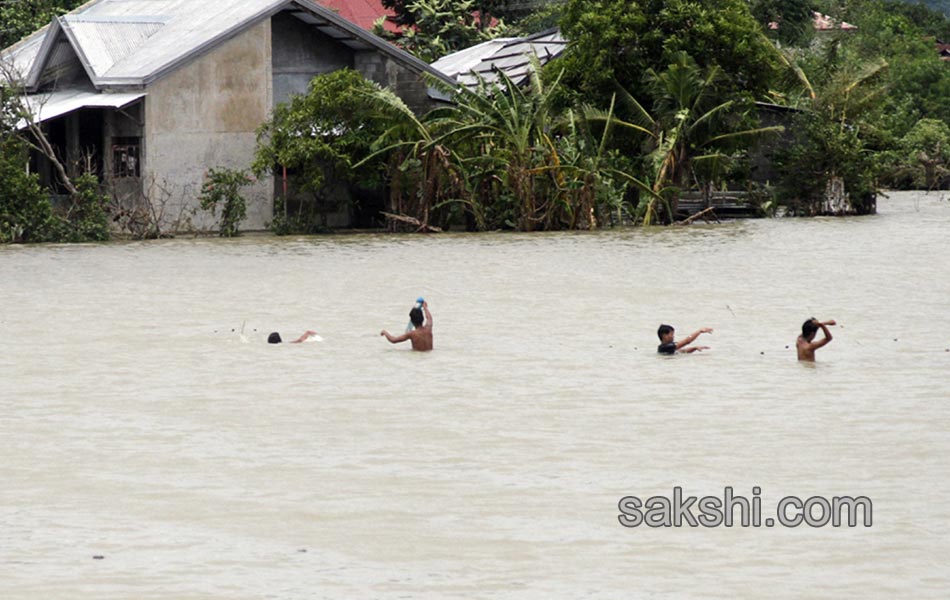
[
  {"x": 300, "y": 54},
  {"x": 204, "y": 115}
]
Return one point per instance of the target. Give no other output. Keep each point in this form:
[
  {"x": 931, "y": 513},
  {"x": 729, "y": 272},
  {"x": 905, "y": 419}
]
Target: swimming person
[
  {"x": 668, "y": 345},
  {"x": 806, "y": 347},
  {"x": 421, "y": 335},
  {"x": 274, "y": 337}
]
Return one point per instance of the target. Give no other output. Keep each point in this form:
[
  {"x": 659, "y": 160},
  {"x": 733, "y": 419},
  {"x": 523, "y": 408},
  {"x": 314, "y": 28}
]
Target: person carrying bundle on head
[{"x": 420, "y": 333}]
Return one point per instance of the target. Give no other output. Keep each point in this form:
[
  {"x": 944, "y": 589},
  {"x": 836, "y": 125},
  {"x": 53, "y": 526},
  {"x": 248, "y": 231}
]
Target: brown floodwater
[{"x": 145, "y": 420}]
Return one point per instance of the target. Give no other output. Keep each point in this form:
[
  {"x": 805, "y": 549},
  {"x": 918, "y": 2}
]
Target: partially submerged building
[{"x": 153, "y": 93}]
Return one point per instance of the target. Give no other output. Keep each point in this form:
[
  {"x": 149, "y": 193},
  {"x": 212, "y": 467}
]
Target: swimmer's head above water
[
  {"x": 274, "y": 338},
  {"x": 665, "y": 333},
  {"x": 809, "y": 328},
  {"x": 415, "y": 315}
]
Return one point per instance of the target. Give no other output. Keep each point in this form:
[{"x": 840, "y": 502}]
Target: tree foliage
[
  {"x": 923, "y": 155},
  {"x": 793, "y": 19},
  {"x": 506, "y": 157},
  {"x": 431, "y": 29},
  {"x": 619, "y": 41},
  {"x": 840, "y": 94},
  {"x": 222, "y": 189},
  {"x": 318, "y": 137},
  {"x": 26, "y": 211}
]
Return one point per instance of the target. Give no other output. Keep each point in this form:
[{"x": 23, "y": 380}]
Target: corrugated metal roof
[
  {"x": 508, "y": 55},
  {"x": 48, "y": 106},
  {"x": 132, "y": 42},
  {"x": 107, "y": 42}
]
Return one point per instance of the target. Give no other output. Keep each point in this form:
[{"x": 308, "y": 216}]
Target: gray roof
[
  {"x": 48, "y": 106},
  {"x": 508, "y": 55},
  {"x": 129, "y": 43}
]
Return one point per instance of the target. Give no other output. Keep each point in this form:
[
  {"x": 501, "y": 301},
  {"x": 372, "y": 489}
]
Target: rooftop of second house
[
  {"x": 364, "y": 13},
  {"x": 501, "y": 55}
]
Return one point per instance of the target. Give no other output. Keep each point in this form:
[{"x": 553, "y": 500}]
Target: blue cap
[{"x": 420, "y": 300}]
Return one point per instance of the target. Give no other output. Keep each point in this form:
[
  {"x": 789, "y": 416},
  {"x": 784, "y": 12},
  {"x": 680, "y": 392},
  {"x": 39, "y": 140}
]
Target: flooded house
[{"x": 150, "y": 94}]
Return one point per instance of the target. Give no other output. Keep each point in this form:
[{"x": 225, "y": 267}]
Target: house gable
[
  {"x": 298, "y": 55},
  {"x": 57, "y": 64}
]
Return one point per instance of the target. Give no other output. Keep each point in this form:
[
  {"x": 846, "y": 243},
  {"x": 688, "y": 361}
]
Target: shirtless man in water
[
  {"x": 805, "y": 344},
  {"x": 420, "y": 335}
]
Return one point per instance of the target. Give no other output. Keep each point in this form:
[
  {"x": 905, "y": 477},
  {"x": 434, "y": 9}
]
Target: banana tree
[
  {"x": 501, "y": 132},
  {"x": 830, "y": 169},
  {"x": 690, "y": 135},
  {"x": 423, "y": 173}
]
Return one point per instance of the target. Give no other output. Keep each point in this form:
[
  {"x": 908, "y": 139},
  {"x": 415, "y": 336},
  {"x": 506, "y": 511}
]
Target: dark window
[{"x": 125, "y": 157}]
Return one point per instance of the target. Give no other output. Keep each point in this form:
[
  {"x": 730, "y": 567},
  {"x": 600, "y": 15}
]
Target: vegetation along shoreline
[{"x": 538, "y": 116}]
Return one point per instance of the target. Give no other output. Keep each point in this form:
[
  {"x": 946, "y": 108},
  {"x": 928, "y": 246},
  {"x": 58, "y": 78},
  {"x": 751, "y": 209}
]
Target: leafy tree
[
  {"x": 505, "y": 156},
  {"x": 925, "y": 153},
  {"x": 410, "y": 12},
  {"x": 430, "y": 29},
  {"x": 87, "y": 218},
  {"x": 544, "y": 16},
  {"x": 917, "y": 82},
  {"x": 793, "y": 17},
  {"x": 916, "y": 69},
  {"x": 422, "y": 175},
  {"x": 618, "y": 41},
  {"x": 318, "y": 137},
  {"x": 832, "y": 133},
  {"x": 692, "y": 132},
  {"x": 25, "y": 211},
  {"x": 931, "y": 19}
]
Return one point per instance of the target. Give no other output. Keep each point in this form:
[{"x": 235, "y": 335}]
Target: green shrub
[
  {"x": 221, "y": 188},
  {"x": 87, "y": 219},
  {"x": 26, "y": 214}
]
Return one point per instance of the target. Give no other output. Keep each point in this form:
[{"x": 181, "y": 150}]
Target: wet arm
[
  {"x": 304, "y": 337},
  {"x": 394, "y": 339},
  {"x": 828, "y": 337},
  {"x": 680, "y": 345},
  {"x": 692, "y": 349}
]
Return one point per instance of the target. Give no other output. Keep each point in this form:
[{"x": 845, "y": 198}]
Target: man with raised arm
[
  {"x": 806, "y": 344},
  {"x": 421, "y": 333},
  {"x": 668, "y": 345}
]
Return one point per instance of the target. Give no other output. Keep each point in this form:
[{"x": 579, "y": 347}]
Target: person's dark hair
[
  {"x": 274, "y": 338},
  {"x": 415, "y": 315},
  {"x": 809, "y": 328},
  {"x": 663, "y": 330}
]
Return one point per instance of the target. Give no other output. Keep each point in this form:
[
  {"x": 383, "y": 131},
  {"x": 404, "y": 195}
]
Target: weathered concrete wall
[
  {"x": 204, "y": 115},
  {"x": 407, "y": 84},
  {"x": 300, "y": 53}
]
